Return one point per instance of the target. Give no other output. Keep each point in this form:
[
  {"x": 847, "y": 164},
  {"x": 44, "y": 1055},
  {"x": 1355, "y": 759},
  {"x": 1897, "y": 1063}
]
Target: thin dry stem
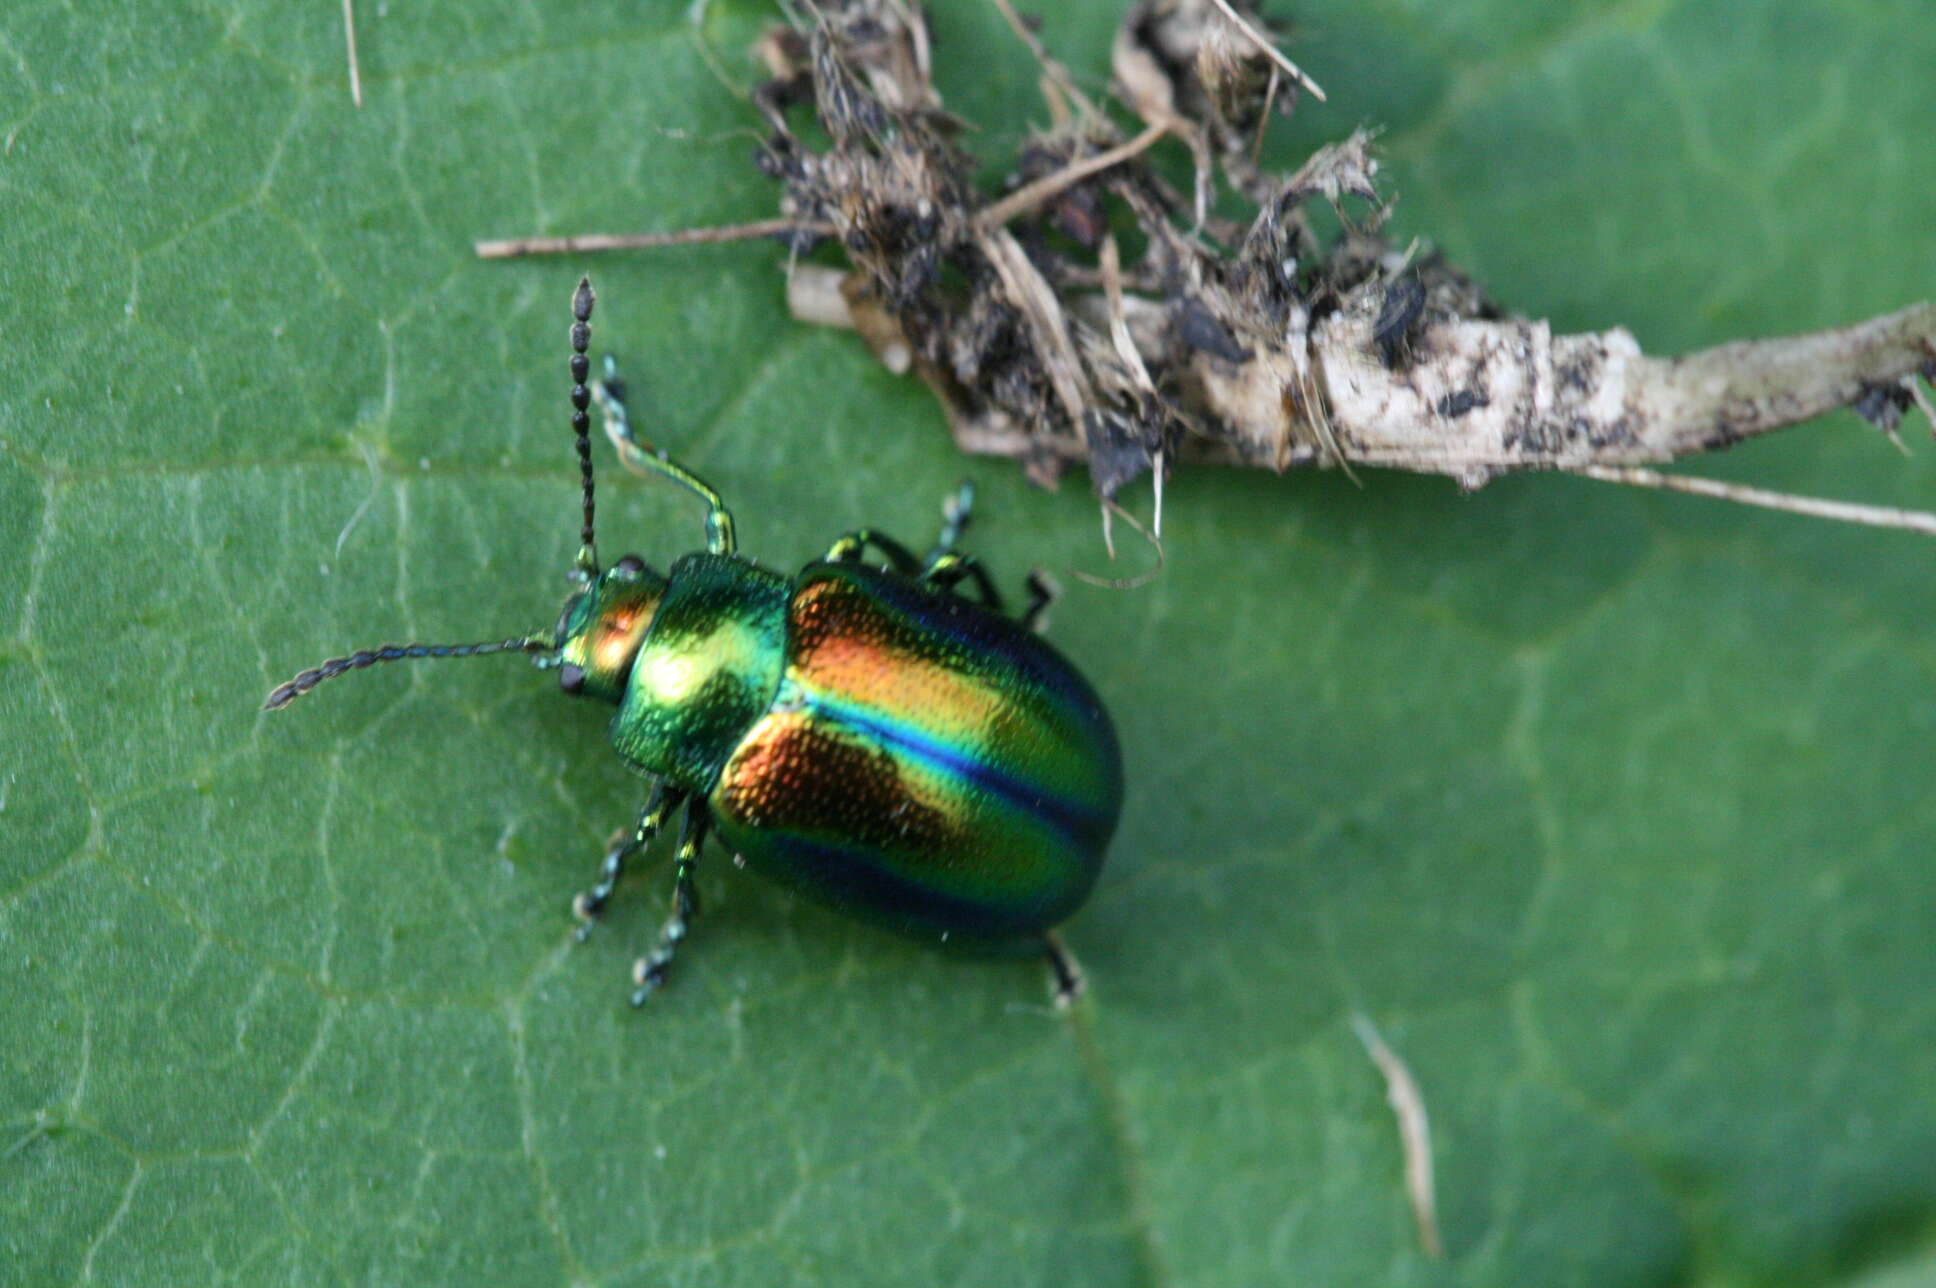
[
  {"x": 1263, "y": 118},
  {"x": 1049, "y": 65},
  {"x": 514, "y": 247},
  {"x": 349, "y": 39},
  {"x": 1112, "y": 510},
  {"x": 1029, "y": 196},
  {"x": 1111, "y": 263},
  {"x": 1035, "y": 299},
  {"x": 1922, "y": 402},
  {"x": 1414, "y": 1133},
  {"x": 1263, "y": 42},
  {"x": 1869, "y": 516}
]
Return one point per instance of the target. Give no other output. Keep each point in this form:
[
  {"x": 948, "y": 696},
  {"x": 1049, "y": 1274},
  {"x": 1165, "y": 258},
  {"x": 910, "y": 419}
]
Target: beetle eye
[
  {"x": 629, "y": 567},
  {"x": 571, "y": 678}
]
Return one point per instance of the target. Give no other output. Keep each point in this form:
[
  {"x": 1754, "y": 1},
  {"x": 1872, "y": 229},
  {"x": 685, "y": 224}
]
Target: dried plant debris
[{"x": 1252, "y": 342}]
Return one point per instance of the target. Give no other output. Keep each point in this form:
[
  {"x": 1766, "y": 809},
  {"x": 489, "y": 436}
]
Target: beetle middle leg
[
  {"x": 954, "y": 567},
  {"x": 649, "y": 972},
  {"x": 955, "y": 513},
  {"x": 852, "y": 546},
  {"x": 590, "y": 903}
]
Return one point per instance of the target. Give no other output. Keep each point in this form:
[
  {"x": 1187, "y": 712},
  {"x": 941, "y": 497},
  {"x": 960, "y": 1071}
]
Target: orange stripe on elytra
[{"x": 899, "y": 685}]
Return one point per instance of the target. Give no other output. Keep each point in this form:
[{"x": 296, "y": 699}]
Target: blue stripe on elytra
[{"x": 1076, "y": 821}]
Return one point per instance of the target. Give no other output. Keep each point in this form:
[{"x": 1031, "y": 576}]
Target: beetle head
[{"x": 602, "y": 626}]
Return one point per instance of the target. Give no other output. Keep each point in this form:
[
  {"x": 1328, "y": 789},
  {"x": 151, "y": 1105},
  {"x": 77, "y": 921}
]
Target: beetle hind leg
[
  {"x": 649, "y": 972},
  {"x": 1043, "y": 591},
  {"x": 1070, "y": 983}
]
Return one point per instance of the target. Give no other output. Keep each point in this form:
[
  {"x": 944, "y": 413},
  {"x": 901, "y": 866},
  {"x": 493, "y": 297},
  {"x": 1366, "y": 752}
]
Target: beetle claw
[
  {"x": 585, "y": 907},
  {"x": 1070, "y": 984},
  {"x": 649, "y": 973}
]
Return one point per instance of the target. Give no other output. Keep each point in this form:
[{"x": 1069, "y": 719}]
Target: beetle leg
[
  {"x": 955, "y": 513},
  {"x": 851, "y": 547},
  {"x": 1069, "y": 981},
  {"x": 641, "y": 457},
  {"x": 1043, "y": 591},
  {"x": 952, "y": 568},
  {"x": 649, "y": 971},
  {"x": 589, "y": 904}
]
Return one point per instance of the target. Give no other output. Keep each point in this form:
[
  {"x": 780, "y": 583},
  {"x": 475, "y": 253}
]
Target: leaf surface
[{"x": 1611, "y": 810}]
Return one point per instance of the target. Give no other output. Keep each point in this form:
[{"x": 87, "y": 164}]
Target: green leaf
[{"x": 1610, "y": 809}]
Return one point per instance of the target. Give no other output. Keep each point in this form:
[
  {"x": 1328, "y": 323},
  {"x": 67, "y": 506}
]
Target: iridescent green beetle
[{"x": 867, "y": 735}]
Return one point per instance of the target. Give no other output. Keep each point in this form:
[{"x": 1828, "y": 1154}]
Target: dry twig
[
  {"x": 1868, "y": 516},
  {"x": 1264, "y": 43},
  {"x": 1253, "y": 343},
  {"x": 513, "y": 247},
  {"x": 1030, "y": 196}
]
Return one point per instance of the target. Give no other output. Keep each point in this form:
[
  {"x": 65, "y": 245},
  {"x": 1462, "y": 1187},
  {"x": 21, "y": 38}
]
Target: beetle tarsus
[
  {"x": 1043, "y": 591},
  {"x": 590, "y": 904},
  {"x": 1070, "y": 983},
  {"x": 649, "y": 972},
  {"x": 956, "y": 510}
]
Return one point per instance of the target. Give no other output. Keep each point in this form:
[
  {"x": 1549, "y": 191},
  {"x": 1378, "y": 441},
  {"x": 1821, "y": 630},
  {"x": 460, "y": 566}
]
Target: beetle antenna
[
  {"x": 283, "y": 694},
  {"x": 582, "y": 300}
]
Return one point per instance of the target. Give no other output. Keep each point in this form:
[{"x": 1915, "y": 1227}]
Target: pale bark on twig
[{"x": 513, "y": 247}]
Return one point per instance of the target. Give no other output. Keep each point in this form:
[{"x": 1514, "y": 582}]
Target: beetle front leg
[
  {"x": 640, "y": 457},
  {"x": 649, "y": 972},
  {"x": 590, "y": 903}
]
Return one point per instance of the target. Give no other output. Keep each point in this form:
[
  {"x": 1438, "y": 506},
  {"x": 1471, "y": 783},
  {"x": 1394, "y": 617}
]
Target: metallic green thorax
[{"x": 706, "y": 669}]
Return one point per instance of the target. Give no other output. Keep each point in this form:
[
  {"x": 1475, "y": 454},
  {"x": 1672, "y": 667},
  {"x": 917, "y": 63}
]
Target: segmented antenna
[
  {"x": 582, "y": 300},
  {"x": 283, "y": 694}
]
